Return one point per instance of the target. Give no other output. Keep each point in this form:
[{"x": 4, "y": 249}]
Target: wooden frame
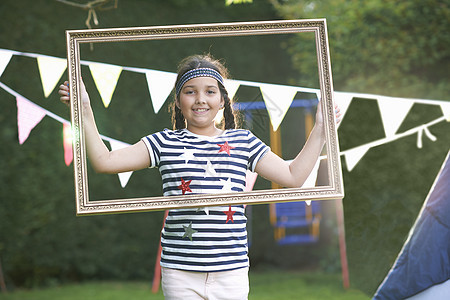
[{"x": 76, "y": 37}]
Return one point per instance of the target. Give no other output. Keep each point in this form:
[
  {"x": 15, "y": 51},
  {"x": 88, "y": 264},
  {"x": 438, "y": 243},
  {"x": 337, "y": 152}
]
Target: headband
[{"x": 200, "y": 72}]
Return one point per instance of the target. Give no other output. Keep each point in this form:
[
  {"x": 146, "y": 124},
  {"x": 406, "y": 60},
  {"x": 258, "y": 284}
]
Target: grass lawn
[{"x": 263, "y": 285}]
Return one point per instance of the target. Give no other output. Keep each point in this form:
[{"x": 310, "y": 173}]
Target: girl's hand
[
  {"x": 65, "y": 96},
  {"x": 319, "y": 116}
]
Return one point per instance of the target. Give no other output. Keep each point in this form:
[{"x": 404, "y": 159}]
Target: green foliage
[{"x": 396, "y": 48}]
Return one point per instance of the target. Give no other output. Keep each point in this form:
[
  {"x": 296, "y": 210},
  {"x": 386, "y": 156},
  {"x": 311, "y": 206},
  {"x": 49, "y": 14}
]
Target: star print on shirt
[
  {"x": 205, "y": 209},
  {"x": 187, "y": 155},
  {"x": 209, "y": 171},
  {"x": 225, "y": 147},
  {"x": 229, "y": 214},
  {"x": 227, "y": 185},
  {"x": 184, "y": 186},
  {"x": 188, "y": 231}
]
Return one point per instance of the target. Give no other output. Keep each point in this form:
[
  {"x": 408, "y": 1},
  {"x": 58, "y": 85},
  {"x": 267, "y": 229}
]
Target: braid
[
  {"x": 228, "y": 113},
  {"x": 178, "y": 120}
]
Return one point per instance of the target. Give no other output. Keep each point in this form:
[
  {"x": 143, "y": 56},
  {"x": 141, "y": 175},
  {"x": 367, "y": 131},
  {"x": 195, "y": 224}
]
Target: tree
[{"x": 396, "y": 48}]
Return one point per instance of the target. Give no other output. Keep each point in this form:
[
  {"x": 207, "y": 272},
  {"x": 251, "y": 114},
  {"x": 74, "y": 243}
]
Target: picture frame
[{"x": 85, "y": 206}]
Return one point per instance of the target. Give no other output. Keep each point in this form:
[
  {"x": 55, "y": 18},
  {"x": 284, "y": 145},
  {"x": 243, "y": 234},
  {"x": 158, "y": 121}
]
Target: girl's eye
[{"x": 211, "y": 92}]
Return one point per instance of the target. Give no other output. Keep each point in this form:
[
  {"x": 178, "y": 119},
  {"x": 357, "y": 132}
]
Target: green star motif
[{"x": 188, "y": 231}]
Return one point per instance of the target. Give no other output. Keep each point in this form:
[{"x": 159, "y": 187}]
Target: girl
[{"x": 204, "y": 250}]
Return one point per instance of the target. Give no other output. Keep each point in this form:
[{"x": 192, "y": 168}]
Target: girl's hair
[{"x": 203, "y": 61}]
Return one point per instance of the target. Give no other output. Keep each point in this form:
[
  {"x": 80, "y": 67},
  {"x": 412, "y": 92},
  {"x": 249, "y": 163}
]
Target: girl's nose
[{"x": 200, "y": 99}]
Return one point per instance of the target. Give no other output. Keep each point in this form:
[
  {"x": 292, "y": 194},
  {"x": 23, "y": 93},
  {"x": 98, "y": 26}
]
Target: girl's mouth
[{"x": 200, "y": 110}]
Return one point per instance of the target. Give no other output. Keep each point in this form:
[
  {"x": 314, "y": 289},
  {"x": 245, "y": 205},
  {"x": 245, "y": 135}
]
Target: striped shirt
[{"x": 212, "y": 238}]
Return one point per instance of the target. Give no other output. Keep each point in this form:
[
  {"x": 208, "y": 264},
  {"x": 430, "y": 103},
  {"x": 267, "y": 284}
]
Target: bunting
[
  {"x": 393, "y": 112},
  {"x": 160, "y": 84},
  {"x": 445, "y": 107},
  {"x": 105, "y": 78},
  {"x": 67, "y": 143},
  {"x": 28, "y": 116},
  {"x": 124, "y": 176},
  {"x": 231, "y": 86},
  {"x": 50, "y": 69},
  {"x": 312, "y": 178},
  {"x": 5, "y": 57},
  {"x": 277, "y": 98},
  {"x": 353, "y": 156},
  {"x": 343, "y": 100}
]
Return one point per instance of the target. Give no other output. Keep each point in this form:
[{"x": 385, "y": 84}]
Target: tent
[{"x": 422, "y": 269}]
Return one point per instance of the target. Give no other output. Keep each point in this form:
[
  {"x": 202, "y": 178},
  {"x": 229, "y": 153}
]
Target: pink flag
[
  {"x": 68, "y": 150},
  {"x": 28, "y": 116}
]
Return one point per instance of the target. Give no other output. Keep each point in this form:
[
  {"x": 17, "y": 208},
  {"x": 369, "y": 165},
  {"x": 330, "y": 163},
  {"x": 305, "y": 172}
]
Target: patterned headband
[{"x": 200, "y": 72}]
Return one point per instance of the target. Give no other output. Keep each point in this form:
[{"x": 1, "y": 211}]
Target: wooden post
[
  {"x": 275, "y": 146},
  {"x": 157, "y": 272},
  {"x": 342, "y": 246}
]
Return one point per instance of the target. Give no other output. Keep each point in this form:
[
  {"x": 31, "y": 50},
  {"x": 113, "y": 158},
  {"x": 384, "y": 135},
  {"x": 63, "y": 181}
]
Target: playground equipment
[
  {"x": 286, "y": 217},
  {"x": 290, "y": 217}
]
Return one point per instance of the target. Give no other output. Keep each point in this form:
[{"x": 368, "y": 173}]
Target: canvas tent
[{"x": 422, "y": 269}]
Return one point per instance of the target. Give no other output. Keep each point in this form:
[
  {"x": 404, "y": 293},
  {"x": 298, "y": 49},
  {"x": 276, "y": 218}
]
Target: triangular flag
[
  {"x": 278, "y": 99},
  {"x": 124, "y": 176},
  {"x": 51, "y": 69},
  {"x": 28, "y": 116},
  {"x": 343, "y": 100},
  {"x": 312, "y": 178},
  {"x": 250, "y": 178},
  {"x": 67, "y": 143},
  {"x": 160, "y": 84},
  {"x": 393, "y": 112},
  {"x": 105, "y": 78},
  {"x": 353, "y": 156},
  {"x": 5, "y": 57},
  {"x": 231, "y": 86},
  {"x": 446, "y": 110}
]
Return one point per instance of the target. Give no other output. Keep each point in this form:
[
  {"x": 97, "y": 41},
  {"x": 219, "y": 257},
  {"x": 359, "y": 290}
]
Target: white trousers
[{"x": 185, "y": 285}]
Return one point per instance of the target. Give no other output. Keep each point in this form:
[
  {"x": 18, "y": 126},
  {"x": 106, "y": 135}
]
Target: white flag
[
  {"x": 393, "y": 112},
  {"x": 231, "y": 86},
  {"x": 353, "y": 156},
  {"x": 160, "y": 84},
  {"x": 446, "y": 110},
  {"x": 278, "y": 99},
  {"x": 5, "y": 57},
  {"x": 124, "y": 176},
  {"x": 343, "y": 100}
]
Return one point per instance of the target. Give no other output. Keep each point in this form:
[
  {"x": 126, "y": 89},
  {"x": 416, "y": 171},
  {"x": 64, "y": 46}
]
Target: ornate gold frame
[{"x": 318, "y": 26}]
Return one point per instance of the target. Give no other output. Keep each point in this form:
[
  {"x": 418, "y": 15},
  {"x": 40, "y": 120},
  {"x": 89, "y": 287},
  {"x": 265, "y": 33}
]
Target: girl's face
[{"x": 199, "y": 101}]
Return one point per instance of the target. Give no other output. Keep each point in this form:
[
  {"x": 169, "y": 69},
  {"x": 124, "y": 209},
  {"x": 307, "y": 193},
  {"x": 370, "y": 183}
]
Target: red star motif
[
  {"x": 225, "y": 147},
  {"x": 184, "y": 186},
  {"x": 229, "y": 214}
]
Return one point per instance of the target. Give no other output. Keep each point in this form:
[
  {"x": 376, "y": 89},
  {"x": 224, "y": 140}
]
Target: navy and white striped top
[{"x": 212, "y": 238}]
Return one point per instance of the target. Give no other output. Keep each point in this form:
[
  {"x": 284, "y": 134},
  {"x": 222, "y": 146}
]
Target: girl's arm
[
  {"x": 131, "y": 158},
  {"x": 295, "y": 173}
]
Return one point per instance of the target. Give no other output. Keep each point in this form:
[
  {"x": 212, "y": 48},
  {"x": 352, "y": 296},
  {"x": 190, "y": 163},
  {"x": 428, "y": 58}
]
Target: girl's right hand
[{"x": 64, "y": 93}]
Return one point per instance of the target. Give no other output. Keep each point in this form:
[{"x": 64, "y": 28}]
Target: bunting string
[{"x": 277, "y": 99}]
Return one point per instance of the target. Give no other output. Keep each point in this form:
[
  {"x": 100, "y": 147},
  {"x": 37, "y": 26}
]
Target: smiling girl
[{"x": 205, "y": 253}]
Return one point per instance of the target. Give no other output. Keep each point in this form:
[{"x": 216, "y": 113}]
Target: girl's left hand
[{"x": 319, "y": 116}]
